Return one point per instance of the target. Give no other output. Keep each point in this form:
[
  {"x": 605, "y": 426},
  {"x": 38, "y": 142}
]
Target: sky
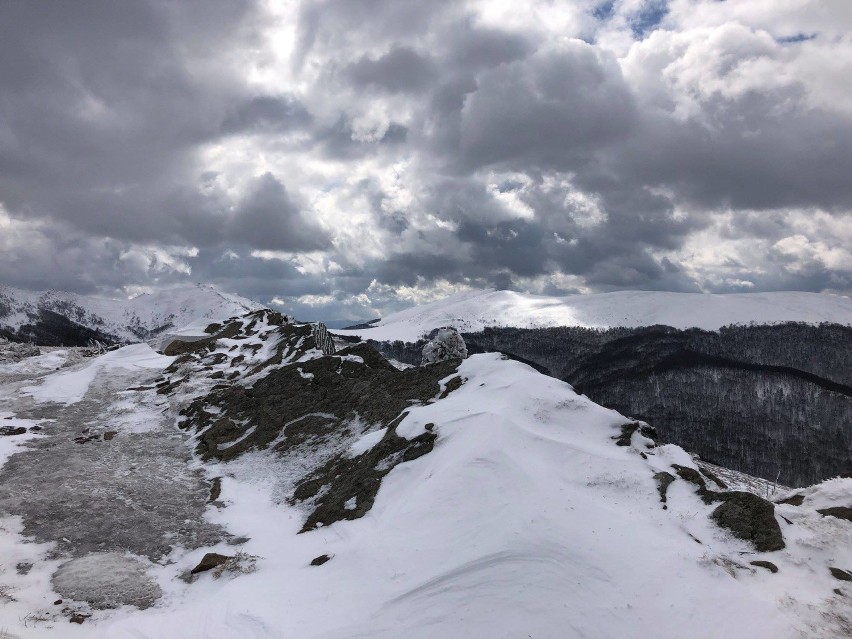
[{"x": 348, "y": 158}]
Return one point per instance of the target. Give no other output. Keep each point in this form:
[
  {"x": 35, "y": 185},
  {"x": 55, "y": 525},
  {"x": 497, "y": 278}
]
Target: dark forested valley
[{"x": 773, "y": 401}]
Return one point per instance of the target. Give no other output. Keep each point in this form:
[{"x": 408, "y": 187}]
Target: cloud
[
  {"x": 399, "y": 70},
  {"x": 553, "y": 110},
  {"x": 348, "y": 157},
  {"x": 267, "y": 218}
]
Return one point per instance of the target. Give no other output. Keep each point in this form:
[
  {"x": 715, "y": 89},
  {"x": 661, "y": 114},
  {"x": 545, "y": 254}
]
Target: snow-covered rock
[{"x": 446, "y": 344}]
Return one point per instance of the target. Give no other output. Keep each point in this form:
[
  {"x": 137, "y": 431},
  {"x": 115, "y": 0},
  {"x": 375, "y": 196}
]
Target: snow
[
  {"x": 367, "y": 442},
  {"x": 69, "y": 387},
  {"x": 172, "y": 307},
  {"x": 525, "y": 520},
  {"x": 474, "y": 311}
]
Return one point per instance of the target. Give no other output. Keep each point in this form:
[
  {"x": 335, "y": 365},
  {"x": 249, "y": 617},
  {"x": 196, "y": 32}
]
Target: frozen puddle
[
  {"x": 105, "y": 492},
  {"x": 106, "y": 580}
]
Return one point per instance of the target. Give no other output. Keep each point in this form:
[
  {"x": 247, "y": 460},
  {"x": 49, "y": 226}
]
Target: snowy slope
[
  {"x": 526, "y": 520},
  {"x": 476, "y": 310},
  {"x": 127, "y": 319}
]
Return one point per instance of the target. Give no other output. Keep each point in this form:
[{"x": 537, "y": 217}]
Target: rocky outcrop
[
  {"x": 447, "y": 344},
  {"x": 322, "y": 338},
  {"x": 749, "y": 517},
  {"x": 307, "y": 407}
]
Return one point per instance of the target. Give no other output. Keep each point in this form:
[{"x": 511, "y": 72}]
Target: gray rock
[
  {"x": 749, "y": 517},
  {"x": 841, "y": 512},
  {"x": 446, "y": 345},
  {"x": 322, "y": 338},
  {"x": 209, "y": 561}
]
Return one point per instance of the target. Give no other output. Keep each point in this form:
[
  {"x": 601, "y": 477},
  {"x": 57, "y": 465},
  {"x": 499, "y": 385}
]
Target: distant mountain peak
[
  {"x": 473, "y": 311},
  {"x": 62, "y": 318}
]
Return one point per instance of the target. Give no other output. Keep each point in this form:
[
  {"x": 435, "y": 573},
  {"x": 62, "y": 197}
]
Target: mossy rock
[{"x": 749, "y": 517}]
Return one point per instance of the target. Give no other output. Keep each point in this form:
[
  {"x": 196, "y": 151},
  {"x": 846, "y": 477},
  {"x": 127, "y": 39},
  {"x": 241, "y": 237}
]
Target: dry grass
[{"x": 240, "y": 564}]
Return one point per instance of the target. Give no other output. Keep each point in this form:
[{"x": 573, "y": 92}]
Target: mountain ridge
[
  {"x": 57, "y": 318},
  {"x": 474, "y": 311}
]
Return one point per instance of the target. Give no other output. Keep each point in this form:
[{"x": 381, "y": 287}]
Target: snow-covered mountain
[
  {"x": 56, "y": 318},
  {"x": 345, "y": 498},
  {"x": 473, "y": 311},
  {"x": 757, "y": 382}
]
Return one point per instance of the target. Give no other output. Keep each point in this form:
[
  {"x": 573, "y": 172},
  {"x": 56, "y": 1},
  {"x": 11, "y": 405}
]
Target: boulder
[
  {"x": 209, "y": 561},
  {"x": 445, "y": 345},
  {"x": 749, "y": 517}
]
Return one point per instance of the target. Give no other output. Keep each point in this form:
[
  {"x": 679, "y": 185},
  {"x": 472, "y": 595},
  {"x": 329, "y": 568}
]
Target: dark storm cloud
[
  {"x": 556, "y": 109},
  {"x": 103, "y": 104},
  {"x": 399, "y": 70},
  {"x": 765, "y": 151},
  {"x": 475, "y": 47},
  {"x": 265, "y": 114},
  {"x": 268, "y": 218}
]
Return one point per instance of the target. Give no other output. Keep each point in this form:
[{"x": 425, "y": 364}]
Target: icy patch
[
  {"x": 106, "y": 580},
  {"x": 367, "y": 442},
  {"x": 70, "y": 387}
]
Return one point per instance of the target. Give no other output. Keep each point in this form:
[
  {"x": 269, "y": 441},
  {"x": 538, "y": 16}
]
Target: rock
[
  {"x": 749, "y": 517},
  {"x": 209, "y": 561},
  {"x": 319, "y": 561},
  {"x": 693, "y": 476},
  {"x": 452, "y": 385},
  {"x": 109, "y": 435},
  {"x": 322, "y": 338},
  {"x": 7, "y": 431},
  {"x": 793, "y": 500},
  {"x": 238, "y": 541},
  {"x": 842, "y": 575},
  {"x": 841, "y": 512},
  {"x": 78, "y": 617},
  {"x": 215, "y": 489},
  {"x": 627, "y": 430},
  {"x": 663, "y": 479},
  {"x": 765, "y": 564},
  {"x": 712, "y": 477},
  {"x": 446, "y": 345}
]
